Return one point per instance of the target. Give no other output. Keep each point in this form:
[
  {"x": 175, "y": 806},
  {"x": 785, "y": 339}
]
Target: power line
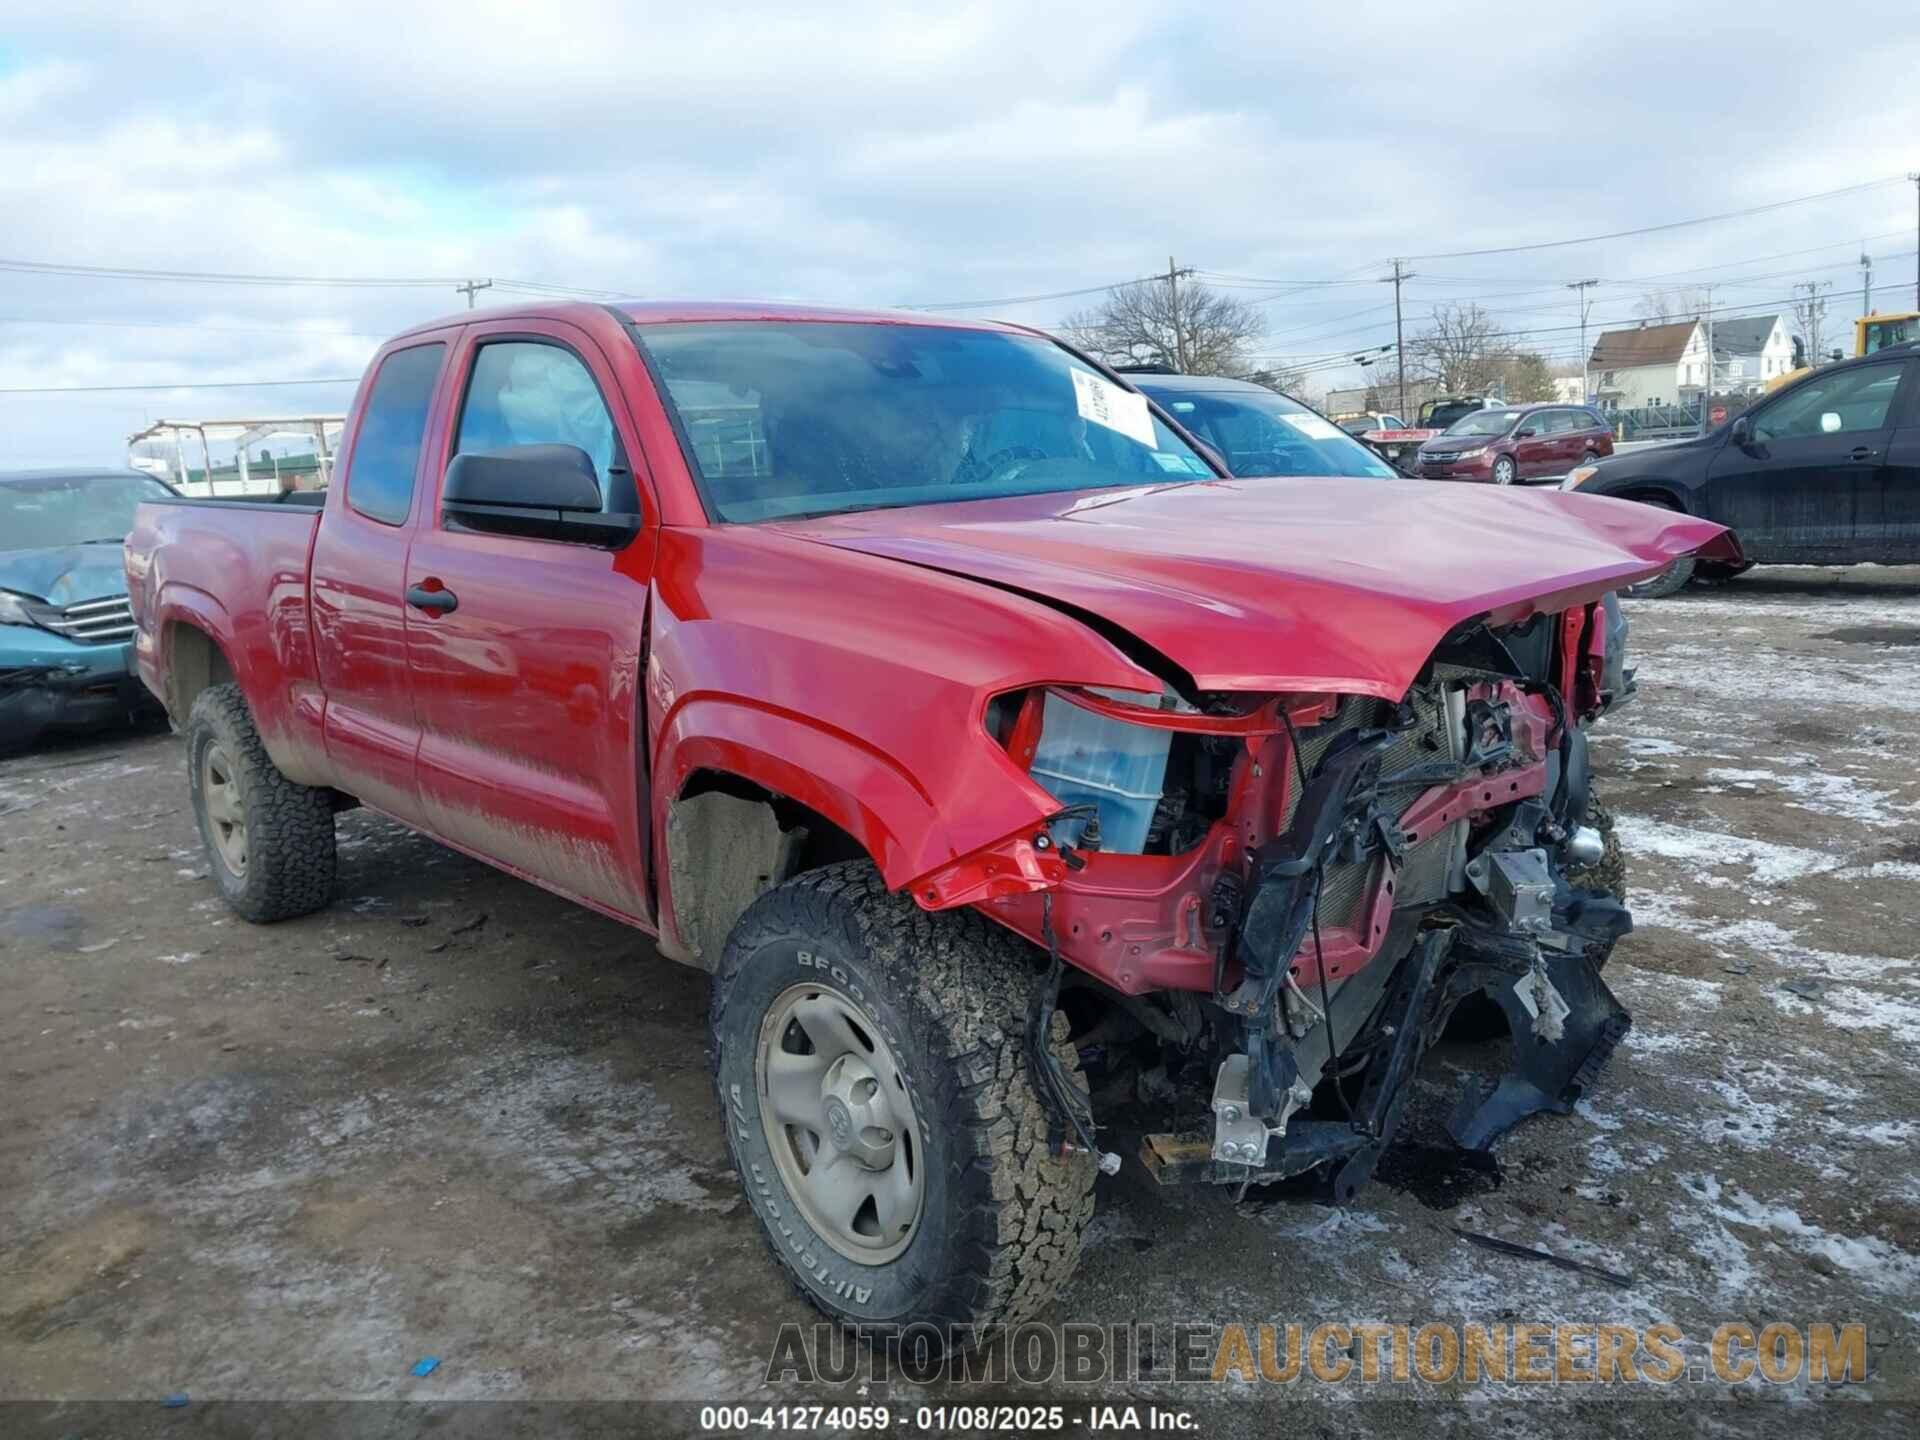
[
  {"x": 1032, "y": 299},
  {"x": 284, "y": 330},
  {"x": 1357, "y": 334},
  {"x": 179, "y": 385},
  {"x": 223, "y": 277},
  {"x": 1669, "y": 225}
]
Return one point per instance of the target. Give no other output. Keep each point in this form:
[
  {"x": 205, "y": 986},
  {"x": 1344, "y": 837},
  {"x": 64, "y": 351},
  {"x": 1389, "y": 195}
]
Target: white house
[
  {"x": 1649, "y": 365},
  {"x": 1750, "y": 351}
]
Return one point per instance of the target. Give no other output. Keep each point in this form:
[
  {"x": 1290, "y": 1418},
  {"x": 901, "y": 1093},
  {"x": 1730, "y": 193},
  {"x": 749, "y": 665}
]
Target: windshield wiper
[{"x": 105, "y": 540}]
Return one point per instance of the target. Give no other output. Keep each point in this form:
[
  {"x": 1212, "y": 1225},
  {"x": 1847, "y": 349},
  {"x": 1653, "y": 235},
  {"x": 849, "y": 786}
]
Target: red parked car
[
  {"x": 1516, "y": 443},
  {"x": 886, "y": 667}
]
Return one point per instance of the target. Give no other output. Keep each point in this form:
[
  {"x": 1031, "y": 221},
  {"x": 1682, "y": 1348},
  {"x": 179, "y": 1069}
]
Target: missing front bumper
[{"x": 1544, "y": 1075}]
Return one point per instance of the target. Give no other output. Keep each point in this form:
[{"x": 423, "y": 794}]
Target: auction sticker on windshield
[
  {"x": 1313, "y": 427},
  {"x": 1105, "y": 403}
]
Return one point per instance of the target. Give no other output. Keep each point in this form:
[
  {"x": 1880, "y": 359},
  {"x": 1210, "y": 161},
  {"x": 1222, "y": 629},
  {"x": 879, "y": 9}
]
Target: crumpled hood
[
  {"x": 66, "y": 574},
  {"x": 1285, "y": 584}
]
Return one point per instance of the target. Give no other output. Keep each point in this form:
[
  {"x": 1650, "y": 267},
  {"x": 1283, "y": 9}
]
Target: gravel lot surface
[{"x": 454, "y": 1116}]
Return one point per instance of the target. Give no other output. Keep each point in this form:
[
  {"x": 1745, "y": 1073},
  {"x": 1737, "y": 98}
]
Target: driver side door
[
  {"x": 526, "y": 652},
  {"x": 1809, "y": 486}
]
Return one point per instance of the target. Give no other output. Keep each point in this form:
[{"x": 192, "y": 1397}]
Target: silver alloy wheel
[
  {"x": 226, "y": 814},
  {"x": 840, "y": 1123},
  {"x": 1503, "y": 471}
]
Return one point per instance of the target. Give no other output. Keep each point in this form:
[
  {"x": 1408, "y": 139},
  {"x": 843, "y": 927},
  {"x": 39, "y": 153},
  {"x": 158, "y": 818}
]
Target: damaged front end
[{"x": 1317, "y": 883}]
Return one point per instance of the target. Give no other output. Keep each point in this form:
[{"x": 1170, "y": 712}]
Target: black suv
[{"x": 1823, "y": 472}]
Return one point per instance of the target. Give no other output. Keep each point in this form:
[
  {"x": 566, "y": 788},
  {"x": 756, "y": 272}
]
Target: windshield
[
  {"x": 1261, "y": 433},
  {"x": 1485, "y": 422},
  {"x": 790, "y": 418},
  {"x": 71, "y": 509}
]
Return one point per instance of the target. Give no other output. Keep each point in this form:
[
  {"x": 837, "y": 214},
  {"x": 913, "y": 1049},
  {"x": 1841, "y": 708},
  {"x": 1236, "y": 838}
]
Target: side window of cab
[
  {"x": 386, "y": 452},
  {"x": 532, "y": 392}
]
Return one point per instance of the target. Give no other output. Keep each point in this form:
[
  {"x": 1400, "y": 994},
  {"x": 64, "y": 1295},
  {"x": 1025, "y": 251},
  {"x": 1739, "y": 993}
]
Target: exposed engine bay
[{"x": 1368, "y": 867}]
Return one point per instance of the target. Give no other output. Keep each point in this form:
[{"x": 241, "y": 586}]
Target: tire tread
[
  {"x": 291, "y": 859},
  {"x": 1023, "y": 1209}
]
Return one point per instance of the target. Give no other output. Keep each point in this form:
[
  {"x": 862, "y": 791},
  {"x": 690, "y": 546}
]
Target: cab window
[
  {"x": 527, "y": 392},
  {"x": 387, "y": 449}
]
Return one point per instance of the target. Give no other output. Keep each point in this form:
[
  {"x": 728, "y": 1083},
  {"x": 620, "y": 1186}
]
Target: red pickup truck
[{"x": 939, "y": 694}]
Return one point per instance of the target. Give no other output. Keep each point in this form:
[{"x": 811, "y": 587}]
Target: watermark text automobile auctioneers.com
[{"x": 1333, "y": 1353}]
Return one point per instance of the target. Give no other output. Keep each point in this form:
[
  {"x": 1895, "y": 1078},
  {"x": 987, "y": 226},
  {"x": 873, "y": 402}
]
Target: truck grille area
[
  {"x": 88, "y": 622},
  {"x": 1423, "y": 873}
]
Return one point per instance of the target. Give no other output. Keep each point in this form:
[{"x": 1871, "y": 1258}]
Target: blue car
[{"x": 66, "y": 630}]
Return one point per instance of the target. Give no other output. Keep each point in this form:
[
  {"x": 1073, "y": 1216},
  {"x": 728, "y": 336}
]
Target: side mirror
[
  {"x": 540, "y": 492},
  {"x": 1742, "y": 432},
  {"x": 1526, "y": 434}
]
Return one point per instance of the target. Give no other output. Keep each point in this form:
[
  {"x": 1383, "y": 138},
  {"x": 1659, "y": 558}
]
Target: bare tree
[
  {"x": 1462, "y": 349},
  {"x": 1665, "y": 306},
  {"x": 1170, "y": 322}
]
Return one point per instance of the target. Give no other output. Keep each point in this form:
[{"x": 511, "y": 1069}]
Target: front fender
[{"x": 867, "y": 793}]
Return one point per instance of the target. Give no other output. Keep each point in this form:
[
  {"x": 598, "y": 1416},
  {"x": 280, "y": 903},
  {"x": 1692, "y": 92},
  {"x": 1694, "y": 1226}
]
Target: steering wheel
[{"x": 974, "y": 471}]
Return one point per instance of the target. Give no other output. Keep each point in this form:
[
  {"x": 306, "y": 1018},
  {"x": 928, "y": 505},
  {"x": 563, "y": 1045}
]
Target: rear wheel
[
  {"x": 1504, "y": 470},
  {"x": 871, "y": 1068},
  {"x": 269, "y": 841}
]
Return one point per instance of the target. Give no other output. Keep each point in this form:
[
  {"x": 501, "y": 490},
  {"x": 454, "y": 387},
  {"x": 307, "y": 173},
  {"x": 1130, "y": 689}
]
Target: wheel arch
[
  {"x": 198, "y": 643},
  {"x": 194, "y": 661},
  {"x": 745, "y": 797},
  {"x": 1653, "y": 491}
]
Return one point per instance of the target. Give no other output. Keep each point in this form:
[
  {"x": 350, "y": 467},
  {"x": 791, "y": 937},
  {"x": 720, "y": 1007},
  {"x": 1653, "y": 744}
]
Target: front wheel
[
  {"x": 1718, "y": 572},
  {"x": 1504, "y": 470},
  {"x": 1670, "y": 581},
  {"x": 871, "y": 1069}
]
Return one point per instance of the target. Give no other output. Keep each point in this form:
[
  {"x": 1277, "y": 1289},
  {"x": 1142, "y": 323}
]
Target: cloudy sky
[{"x": 903, "y": 154}]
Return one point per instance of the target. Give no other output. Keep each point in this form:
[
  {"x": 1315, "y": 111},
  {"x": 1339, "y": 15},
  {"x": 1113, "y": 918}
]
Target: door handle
[
  {"x": 439, "y": 600},
  {"x": 1862, "y": 452}
]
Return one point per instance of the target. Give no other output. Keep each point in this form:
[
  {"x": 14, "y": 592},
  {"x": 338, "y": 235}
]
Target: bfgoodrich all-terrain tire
[
  {"x": 269, "y": 841},
  {"x": 870, "y": 1064}
]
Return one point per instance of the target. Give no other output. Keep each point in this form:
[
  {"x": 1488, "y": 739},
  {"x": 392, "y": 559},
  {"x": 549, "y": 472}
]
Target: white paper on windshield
[
  {"x": 1313, "y": 427},
  {"x": 1105, "y": 403},
  {"x": 1179, "y": 464}
]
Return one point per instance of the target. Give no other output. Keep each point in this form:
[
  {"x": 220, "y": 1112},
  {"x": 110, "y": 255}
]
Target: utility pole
[
  {"x": 1580, "y": 288},
  {"x": 1914, "y": 176},
  {"x": 1866, "y": 280},
  {"x": 1706, "y": 390},
  {"x": 472, "y": 288},
  {"x": 1173, "y": 311},
  {"x": 1399, "y": 334},
  {"x": 1811, "y": 312}
]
